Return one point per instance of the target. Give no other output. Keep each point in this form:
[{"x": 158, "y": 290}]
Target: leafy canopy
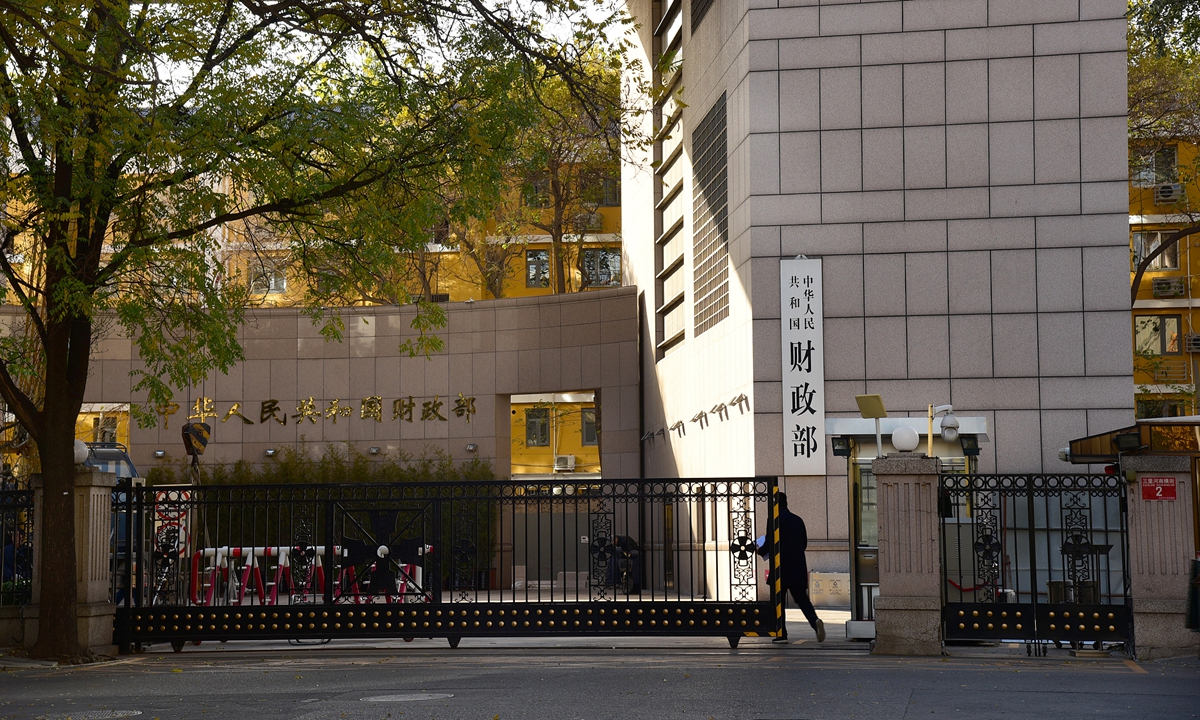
[{"x": 142, "y": 139}]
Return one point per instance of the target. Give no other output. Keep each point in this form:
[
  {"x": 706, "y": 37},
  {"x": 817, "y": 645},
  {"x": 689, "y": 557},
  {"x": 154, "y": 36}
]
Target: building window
[
  {"x": 1160, "y": 408},
  {"x": 602, "y": 267},
  {"x": 611, "y": 193},
  {"x": 270, "y": 277},
  {"x": 537, "y": 427},
  {"x": 537, "y": 268},
  {"x": 1156, "y": 334},
  {"x": 536, "y": 193},
  {"x": 588, "y": 426},
  {"x": 710, "y": 220},
  {"x": 1145, "y": 243},
  {"x": 1154, "y": 167},
  {"x": 699, "y": 10}
]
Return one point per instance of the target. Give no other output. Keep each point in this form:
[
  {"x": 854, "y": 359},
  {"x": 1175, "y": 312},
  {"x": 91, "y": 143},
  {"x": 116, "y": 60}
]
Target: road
[{"x": 590, "y": 679}]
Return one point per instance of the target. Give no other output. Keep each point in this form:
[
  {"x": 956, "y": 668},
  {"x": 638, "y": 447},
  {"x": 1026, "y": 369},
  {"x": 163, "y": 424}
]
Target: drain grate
[
  {"x": 91, "y": 715},
  {"x": 407, "y": 697}
]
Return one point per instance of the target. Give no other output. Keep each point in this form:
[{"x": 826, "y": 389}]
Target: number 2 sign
[{"x": 1158, "y": 488}]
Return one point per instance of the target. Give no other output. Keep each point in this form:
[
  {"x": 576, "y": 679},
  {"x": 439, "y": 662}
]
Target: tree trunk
[
  {"x": 58, "y": 627},
  {"x": 68, "y": 345}
]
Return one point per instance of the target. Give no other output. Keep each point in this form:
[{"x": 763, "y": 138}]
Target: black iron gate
[
  {"x": 1036, "y": 558},
  {"x": 443, "y": 560}
]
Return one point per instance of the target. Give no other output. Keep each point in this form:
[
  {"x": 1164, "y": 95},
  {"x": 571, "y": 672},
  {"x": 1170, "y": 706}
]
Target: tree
[
  {"x": 135, "y": 131},
  {"x": 1164, "y": 100},
  {"x": 565, "y": 159}
]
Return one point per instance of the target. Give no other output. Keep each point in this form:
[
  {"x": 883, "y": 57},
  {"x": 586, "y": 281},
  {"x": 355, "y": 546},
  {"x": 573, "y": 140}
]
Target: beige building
[
  {"x": 958, "y": 167},
  {"x": 295, "y": 387}
]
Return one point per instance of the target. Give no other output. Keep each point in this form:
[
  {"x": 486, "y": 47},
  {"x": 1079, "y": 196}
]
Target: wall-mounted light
[
  {"x": 1127, "y": 442},
  {"x": 270, "y": 452},
  {"x": 970, "y": 445},
  {"x": 160, "y": 453},
  {"x": 472, "y": 447},
  {"x": 373, "y": 450},
  {"x": 841, "y": 445}
]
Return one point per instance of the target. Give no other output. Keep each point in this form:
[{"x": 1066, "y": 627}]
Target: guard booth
[{"x": 855, "y": 439}]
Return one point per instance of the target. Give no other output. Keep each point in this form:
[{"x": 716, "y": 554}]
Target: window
[
  {"x": 1160, "y": 408},
  {"x": 602, "y": 267},
  {"x": 536, "y": 193},
  {"x": 1145, "y": 243},
  {"x": 537, "y": 268},
  {"x": 1156, "y": 334},
  {"x": 699, "y": 10},
  {"x": 537, "y": 427},
  {"x": 588, "y": 428},
  {"x": 710, "y": 220},
  {"x": 270, "y": 277},
  {"x": 611, "y": 193},
  {"x": 1154, "y": 167}
]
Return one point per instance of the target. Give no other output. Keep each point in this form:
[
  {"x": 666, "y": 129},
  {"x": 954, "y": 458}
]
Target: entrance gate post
[
  {"x": 908, "y": 611},
  {"x": 1161, "y": 547},
  {"x": 93, "y": 569}
]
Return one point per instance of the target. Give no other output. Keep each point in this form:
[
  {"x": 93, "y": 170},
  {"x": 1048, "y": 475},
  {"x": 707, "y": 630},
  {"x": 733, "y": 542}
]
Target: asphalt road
[{"x": 593, "y": 678}]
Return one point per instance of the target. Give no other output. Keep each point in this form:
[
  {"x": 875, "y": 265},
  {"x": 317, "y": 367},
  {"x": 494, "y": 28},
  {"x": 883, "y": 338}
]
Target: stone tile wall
[{"x": 493, "y": 349}]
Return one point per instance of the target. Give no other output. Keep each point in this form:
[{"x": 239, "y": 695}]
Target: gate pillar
[
  {"x": 908, "y": 611},
  {"x": 95, "y": 612},
  {"x": 1161, "y": 547}
]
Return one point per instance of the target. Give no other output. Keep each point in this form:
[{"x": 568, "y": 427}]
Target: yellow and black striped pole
[{"x": 777, "y": 590}]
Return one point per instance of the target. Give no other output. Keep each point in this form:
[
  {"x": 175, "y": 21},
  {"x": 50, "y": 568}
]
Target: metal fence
[
  {"x": 1036, "y": 558},
  {"x": 441, "y": 559},
  {"x": 16, "y": 542}
]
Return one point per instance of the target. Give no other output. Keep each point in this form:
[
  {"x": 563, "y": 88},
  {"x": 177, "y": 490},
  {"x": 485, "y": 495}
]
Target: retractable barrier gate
[
  {"x": 446, "y": 560},
  {"x": 1036, "y": 558}
]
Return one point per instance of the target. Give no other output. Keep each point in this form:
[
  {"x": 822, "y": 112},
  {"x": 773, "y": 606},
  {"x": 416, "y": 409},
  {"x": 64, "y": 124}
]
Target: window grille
[
  {"x": 710, "y": 220},
  {"x": 699, "y": 10}
]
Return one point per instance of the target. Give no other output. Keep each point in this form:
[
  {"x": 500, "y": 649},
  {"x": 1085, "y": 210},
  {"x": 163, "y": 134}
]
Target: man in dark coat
[{"x": 793, "y": 543}]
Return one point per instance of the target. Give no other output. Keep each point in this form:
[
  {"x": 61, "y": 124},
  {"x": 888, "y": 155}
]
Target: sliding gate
[
  {"x": 1035, "y": 558},
  {"x": 446, "y": 560}
]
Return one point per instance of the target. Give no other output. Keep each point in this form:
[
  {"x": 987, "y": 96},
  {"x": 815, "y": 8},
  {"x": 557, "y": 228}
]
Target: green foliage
[{"x": 295, "y": 465}]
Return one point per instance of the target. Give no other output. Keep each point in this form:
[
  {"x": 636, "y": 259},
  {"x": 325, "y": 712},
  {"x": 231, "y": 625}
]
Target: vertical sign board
[
  {"x": 1158, "y": 488},
  {"x": 802, "y": 327}
]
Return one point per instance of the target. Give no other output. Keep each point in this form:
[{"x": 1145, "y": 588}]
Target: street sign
[{"x": 1158, "y": 488}]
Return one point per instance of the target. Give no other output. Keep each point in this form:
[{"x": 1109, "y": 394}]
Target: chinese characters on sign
[
  {"x": 1158, "y": 488},
  {"x": 801, "y": 324},
  {"x": 312, "y": 410}
]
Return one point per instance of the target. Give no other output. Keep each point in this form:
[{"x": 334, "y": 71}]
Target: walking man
[{"x": 793, "y": 542}]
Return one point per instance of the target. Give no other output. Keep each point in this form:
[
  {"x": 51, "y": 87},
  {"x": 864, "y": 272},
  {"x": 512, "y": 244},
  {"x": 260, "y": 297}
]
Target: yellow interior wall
[{"x": 566, "y": 438}]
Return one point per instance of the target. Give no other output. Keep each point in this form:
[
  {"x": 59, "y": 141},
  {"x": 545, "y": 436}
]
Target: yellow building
[
  {"x": 1166, "y": 324},
  {"x": 555, "y": 433}
]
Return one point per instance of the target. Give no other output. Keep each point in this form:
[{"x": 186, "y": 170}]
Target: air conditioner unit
[
  {"x": 1191, "y": 342},
  {"x": 1168, "y": 193},
  {"x": 564, "y": 463},
  {"x": 1169, "y": 287}
]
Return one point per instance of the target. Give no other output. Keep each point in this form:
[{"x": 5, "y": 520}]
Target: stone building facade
[
  {"x": 349, "y": 393},
  {"x": 959, "y": 166}
]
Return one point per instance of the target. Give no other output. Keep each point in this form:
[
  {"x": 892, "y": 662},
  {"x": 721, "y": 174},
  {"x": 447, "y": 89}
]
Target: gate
[
  {"x": 1035, "y": 558},
  {"x": 446, "y": 560}
]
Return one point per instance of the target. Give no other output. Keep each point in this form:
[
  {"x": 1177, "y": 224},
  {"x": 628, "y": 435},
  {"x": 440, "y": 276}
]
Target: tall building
[{"x": 958, "y": 168}]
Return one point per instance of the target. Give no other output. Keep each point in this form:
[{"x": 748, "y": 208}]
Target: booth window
[
  {"x": 537, "y": 427},
  {"x": 1156, "y": 334}
]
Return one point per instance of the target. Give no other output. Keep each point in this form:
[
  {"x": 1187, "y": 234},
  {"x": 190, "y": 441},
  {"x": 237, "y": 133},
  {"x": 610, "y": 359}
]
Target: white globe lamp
[
  {"x": 905, "y": 439},
  {"x": 81, "y": 452}
]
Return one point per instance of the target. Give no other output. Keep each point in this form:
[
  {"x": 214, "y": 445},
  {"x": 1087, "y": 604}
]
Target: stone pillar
[
  {"x": 93, "y": 568},
  {"x": 908, "y": 612},
  {"x": 1161, "y": 546}
]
